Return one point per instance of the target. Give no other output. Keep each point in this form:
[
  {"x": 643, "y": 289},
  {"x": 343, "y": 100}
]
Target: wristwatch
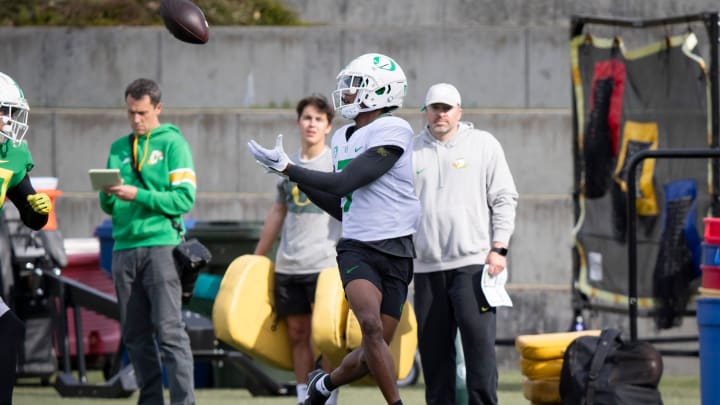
[{"x": 499, "y": 250}]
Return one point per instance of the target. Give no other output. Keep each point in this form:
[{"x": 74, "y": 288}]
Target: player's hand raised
[{"x": 275, "y": 159}]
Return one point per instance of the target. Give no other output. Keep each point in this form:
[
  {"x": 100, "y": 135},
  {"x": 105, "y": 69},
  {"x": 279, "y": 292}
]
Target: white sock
[
  {"x": 320, "y": 385},
  {"x": 301, "y": 390},
  {"x": 332, "y": 400}
]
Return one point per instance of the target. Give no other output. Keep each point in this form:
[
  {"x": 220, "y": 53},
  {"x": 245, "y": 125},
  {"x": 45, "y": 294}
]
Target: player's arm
[
  {"x": 19, "y": 196},
  {"x": 329, "y": 203},
  {"x": 361, "y": 171}
]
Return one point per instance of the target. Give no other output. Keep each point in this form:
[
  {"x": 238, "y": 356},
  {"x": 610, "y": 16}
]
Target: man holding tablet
[{"x": 158, "y": 187}]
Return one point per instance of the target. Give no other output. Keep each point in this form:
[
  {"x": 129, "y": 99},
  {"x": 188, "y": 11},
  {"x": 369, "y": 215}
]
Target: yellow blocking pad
[
  {"x": 329, "y": 316},
  {"x": 542, "y": 391},
  {"x": 548, "y": 346},
  {"x": 403, "y": 344},
  {"x": 536, "y": 370},
  {"x": 243, "y": 313}
]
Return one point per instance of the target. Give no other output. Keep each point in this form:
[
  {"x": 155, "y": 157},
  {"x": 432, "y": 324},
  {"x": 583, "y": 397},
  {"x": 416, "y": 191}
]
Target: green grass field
[{"x": 676, "y": 390}]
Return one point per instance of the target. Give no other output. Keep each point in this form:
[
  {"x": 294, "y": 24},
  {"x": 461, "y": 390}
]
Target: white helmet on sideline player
[
  {"x": 13, "y": 110},
  {"x": 370, "y": 82}
]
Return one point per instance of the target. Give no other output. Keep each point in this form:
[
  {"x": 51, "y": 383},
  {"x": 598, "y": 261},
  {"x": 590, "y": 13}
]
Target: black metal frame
[
  {"x": 68, "y": 293},
  {"x": 635, "y": 160},
  {"x": 711, "y": 21}
]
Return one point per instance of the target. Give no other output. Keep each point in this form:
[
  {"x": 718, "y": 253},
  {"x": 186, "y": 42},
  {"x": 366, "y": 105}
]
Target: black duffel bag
[{"x": 604, "y": 370}]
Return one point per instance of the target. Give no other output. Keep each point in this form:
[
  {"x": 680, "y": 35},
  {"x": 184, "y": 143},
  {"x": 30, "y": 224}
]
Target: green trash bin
[{"x": 226, "y": 240}]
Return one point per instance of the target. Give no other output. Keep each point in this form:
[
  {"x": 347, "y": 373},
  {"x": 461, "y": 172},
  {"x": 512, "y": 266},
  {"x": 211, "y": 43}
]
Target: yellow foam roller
[
  {"x": 542, "y": 391},
  {"x": 243, "y": 313},
  {"x": 329, "y": 316},
  {"x": 548, "y": 346},
  {"x": 537, "y": 369}
]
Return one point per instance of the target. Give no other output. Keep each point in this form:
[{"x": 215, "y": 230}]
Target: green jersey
[
  {"x": 15, "y": 163},
  {"x": 164, "y": 160}
]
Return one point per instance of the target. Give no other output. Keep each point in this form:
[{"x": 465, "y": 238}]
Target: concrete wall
[
  {"x": 485, "y": 12},
  {"x": 502, "y": 54},
  {"x": 508, "y": 67}
]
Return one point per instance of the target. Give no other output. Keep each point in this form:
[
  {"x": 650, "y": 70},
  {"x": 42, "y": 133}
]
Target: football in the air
[{"x": 185, "y": 20}]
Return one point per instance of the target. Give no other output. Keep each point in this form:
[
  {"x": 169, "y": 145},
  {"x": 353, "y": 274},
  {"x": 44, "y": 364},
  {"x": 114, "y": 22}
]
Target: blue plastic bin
[
  {"x": 104, "y": 233},
  {"x": 708, "y": 319},
  {"x": 710, "y": 254}
]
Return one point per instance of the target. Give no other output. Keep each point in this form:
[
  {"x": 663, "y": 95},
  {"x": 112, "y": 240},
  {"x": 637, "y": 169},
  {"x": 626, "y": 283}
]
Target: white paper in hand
[{"x": 494, "y": 288}]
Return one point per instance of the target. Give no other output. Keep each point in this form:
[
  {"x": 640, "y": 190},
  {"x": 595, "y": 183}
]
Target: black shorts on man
[{"x": 295, "y": 293}]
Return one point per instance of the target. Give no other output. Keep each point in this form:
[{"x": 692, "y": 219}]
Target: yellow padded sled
[
  {"x": 548, "y": 346},
  {"x": 243, "y": 314},
  {"x": 542, "y": 391},
  {"x": 330, "y": 316},
  {"x": 538, "y": 369}
]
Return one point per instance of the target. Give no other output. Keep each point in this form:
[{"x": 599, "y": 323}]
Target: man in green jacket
[{"x": 158, "y": 187}]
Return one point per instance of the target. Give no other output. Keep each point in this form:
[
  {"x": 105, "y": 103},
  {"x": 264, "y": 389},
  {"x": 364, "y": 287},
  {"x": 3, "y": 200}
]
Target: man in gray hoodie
[{"x": 468, "y": 199}]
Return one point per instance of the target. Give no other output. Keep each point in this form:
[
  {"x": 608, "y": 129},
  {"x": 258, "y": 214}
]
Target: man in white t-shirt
[
  {"x": 371, "y": 191},
  {"x": 307, "y": 240}
]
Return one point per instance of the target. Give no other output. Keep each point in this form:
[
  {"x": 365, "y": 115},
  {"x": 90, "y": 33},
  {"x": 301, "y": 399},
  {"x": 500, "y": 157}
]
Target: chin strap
[{"x": 351, "y": 111}]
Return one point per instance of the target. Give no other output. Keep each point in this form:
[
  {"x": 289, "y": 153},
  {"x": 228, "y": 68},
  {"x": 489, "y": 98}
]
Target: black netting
[
  {"x": 663, "y": 105},
  {"x": 597, "y": 143}
]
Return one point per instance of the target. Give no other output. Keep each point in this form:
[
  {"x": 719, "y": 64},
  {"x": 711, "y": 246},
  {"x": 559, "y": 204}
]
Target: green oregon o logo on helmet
[{"x": 384, "y": 63}]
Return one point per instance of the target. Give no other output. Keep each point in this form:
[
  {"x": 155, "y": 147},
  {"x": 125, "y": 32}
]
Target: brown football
[{"x": 185, "y": 20}]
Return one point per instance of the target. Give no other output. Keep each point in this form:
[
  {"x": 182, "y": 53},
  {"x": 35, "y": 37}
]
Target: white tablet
[{"x": 100, "y": 178}]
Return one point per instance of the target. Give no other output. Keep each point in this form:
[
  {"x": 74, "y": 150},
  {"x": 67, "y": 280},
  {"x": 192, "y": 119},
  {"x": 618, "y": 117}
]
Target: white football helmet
[
  {"x": 13, "y": 110},
  {"x": 370, "y": 82}
]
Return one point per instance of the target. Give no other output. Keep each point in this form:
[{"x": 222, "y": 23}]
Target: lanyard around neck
[{"x": 136, "y": 163}]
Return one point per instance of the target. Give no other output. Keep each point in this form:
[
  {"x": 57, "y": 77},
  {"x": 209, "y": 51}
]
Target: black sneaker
[{"x": 315, "y": 397}]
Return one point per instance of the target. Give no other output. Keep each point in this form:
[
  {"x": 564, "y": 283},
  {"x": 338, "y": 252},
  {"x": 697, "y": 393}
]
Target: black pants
[
  {"x": 12, "y": 330},
  {"x": 446, "y": 301}
]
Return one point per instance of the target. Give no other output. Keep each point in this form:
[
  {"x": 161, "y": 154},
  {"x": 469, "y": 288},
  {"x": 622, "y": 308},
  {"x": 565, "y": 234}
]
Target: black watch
[{"x": 499, "y": 250}]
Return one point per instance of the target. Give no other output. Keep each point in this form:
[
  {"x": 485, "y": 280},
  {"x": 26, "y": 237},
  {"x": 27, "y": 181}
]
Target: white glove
[{"x": 272, "y": 159}]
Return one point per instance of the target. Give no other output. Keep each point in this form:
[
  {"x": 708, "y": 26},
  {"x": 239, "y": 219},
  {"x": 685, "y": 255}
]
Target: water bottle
[{"x": 579, "y": 323}]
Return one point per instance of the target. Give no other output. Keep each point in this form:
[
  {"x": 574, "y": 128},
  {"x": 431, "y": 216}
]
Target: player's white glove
[{"x": 275, "y": 159}]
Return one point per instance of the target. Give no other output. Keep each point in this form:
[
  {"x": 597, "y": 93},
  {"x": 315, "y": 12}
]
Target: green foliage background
[{"x": 85, "y": 13}]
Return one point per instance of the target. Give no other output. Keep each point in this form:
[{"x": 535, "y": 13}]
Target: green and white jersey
[
  {"x": 15, "y": 163},
  {"x": 386, "y": 208},
  {"x": 309, "y": 234}
]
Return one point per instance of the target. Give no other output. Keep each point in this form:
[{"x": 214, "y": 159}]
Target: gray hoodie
[{"x": 468, "y": 198}]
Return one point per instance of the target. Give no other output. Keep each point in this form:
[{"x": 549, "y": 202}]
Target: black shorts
[
  {"x": 294, "y": 294},
  {"x": 390, "y": 274}
]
